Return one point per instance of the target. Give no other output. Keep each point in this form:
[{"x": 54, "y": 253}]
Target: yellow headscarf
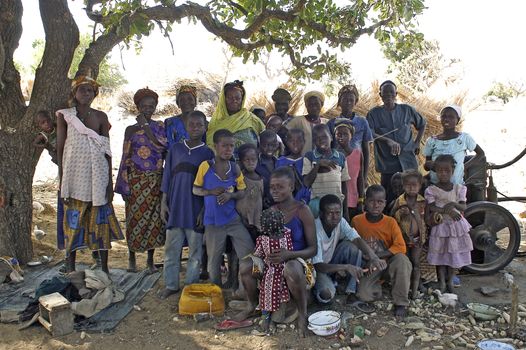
[{"x": 236, "y": 122}]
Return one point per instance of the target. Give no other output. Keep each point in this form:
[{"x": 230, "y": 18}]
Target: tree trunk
[{"x": 18, "y": 160}]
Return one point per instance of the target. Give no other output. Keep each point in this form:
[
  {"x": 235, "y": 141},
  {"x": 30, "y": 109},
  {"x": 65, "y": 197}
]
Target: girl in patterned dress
[
  {"x": 272, "y": 288},
  {"x": 450, "y": 245}
]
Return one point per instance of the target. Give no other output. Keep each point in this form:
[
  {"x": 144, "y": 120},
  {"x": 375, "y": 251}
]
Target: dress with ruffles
[{"x": 449, "y": 242}]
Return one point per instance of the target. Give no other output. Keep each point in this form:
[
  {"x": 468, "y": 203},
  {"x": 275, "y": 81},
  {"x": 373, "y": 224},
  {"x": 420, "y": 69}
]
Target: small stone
[
  {"x": 137, "y": 307},
  {"x": 175, "y": 319},
  {"x": 335, "y": 345},
  {"x": 367, "y": 332},
  {"x": 281, "y": 326},
  {"x": 292, "y": 326},
  {"x": 82, "y": 335},
  {"x": 472, "y": 320},
  {"x": 380, "y": 332},
  {"x": 502, "y": 333},
  {"x": 409, "y": 341}
]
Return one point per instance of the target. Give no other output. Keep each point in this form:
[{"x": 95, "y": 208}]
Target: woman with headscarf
[
  {"x": 313, "y": 103},
  {"x": 86, "y": 186},
  {"x": 230, "y": 114},
  {"x": 139, "y": 180},
  {"x": 186, "y": 100}
]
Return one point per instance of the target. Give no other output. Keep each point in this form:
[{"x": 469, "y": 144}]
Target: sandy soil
[{"x": 157, "y": 324}]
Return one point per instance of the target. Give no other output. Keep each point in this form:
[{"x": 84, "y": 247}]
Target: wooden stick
[{"x": 514, "y": 307}]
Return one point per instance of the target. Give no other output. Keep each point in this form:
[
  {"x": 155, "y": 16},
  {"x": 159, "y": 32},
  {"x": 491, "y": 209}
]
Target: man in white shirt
[{"x": 340, "y": 252}]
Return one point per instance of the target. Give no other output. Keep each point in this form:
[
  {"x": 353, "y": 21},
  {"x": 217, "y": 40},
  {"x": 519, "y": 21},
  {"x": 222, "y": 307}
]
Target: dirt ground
[{"x": 157, "y": 324}]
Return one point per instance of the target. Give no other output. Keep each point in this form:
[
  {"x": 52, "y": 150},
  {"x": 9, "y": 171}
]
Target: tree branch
[
  {"x": 62, "y": 38},
  {"x": 12, "y": 104}
]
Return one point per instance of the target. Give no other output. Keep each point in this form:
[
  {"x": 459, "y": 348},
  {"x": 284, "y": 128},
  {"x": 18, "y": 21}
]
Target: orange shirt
[{"x": 381, "y": 235}]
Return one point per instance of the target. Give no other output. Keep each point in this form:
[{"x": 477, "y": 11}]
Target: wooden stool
[{"x": 56, "y": 314}]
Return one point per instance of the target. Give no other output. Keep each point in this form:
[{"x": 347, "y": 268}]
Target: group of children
[{"x": 224, "y": 193}]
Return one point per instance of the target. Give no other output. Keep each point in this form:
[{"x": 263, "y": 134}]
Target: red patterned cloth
[{"x": 272, "y": 288}]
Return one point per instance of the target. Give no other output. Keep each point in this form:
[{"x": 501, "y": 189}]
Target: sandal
[
  {"x": 364, "y": 307},
  {"x": 227, "y": 325}
]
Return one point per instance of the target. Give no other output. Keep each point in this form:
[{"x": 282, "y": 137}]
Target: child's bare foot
[
  {"x": 302, "y": 326},
  {"x": 166, "y": 292},
  {"x": 132, "y": 267},
  {"x": 152, "y": 268},
  {"x": 400, "y": 311}
]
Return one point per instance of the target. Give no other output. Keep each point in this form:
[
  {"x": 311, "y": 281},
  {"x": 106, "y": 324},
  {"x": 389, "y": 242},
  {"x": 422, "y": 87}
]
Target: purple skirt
[{"x": 450, "y": 244}]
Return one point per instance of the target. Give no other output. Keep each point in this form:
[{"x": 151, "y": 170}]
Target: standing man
[{"x": 395, "y": 150}]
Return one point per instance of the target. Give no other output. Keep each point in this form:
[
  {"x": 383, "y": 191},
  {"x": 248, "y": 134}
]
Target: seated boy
[
  {"x": 385, "y": 238},
  {"x": 221, "y": 182},
  {"x": 340, "y": 251}
]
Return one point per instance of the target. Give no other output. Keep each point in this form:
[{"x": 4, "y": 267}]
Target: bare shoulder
[{"x": 101, "y": 116}]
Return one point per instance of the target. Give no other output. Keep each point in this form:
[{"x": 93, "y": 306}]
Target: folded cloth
[{"x": 106, "y": 295}]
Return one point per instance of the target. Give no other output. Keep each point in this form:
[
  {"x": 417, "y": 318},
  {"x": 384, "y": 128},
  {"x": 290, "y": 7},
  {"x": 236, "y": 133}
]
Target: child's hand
[
  {"x": 327, "y": 163},
  {"x": 454, "y": 214},
  {"x": 141, "y": 119},
  {"x": 355, "y": 271},
  {"x": 279, "y": 256},
  {"x": 216, "y": 191},
  {"x": 429, "y": 165},
  {"x": 377, "y": 264},
  {"x": 223, "y": 198}
]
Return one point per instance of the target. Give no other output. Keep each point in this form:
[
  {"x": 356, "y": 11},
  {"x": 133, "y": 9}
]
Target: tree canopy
[{"x": 308, "y": 32}]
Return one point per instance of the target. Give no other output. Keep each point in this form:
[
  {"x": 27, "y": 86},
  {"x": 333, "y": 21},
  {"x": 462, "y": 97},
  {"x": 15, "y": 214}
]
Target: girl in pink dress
[
  {"x": 272, "y": 288},
  {"x": 450, "y": 245}
]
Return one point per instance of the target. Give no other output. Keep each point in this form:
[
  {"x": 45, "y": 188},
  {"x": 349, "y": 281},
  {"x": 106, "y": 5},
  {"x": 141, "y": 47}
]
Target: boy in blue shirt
[
  {"x": 181, "y": 210},
  {"x": 221, "y": 182}
]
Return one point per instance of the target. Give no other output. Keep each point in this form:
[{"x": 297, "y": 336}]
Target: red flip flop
[{"x": 227, "y": 325}]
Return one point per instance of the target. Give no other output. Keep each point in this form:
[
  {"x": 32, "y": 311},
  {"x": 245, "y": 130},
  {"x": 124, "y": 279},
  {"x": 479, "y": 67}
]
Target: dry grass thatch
[{"x": 428, "y": 108}]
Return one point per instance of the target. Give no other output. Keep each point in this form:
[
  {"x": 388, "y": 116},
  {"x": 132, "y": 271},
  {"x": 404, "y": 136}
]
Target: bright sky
[{"x": 484, "y": 34}]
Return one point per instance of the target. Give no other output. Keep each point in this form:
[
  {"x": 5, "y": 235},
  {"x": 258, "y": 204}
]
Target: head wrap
[
  {"x": 192, "y": 90},
  {"x": 238, "y": 121},
  {"x": 351, "y": 89},
  {"x": 454, "y": 107},
  {"x": 317, "y": 94},
  {"x": 343, "y": 123},
  {"x": 272, "y": 222},
  {"x": 235, "y": 85},
  {"x": 84, "y": 79},
  {"x": 281, "y": 95},
  {"x": 142, "y": 93}
]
